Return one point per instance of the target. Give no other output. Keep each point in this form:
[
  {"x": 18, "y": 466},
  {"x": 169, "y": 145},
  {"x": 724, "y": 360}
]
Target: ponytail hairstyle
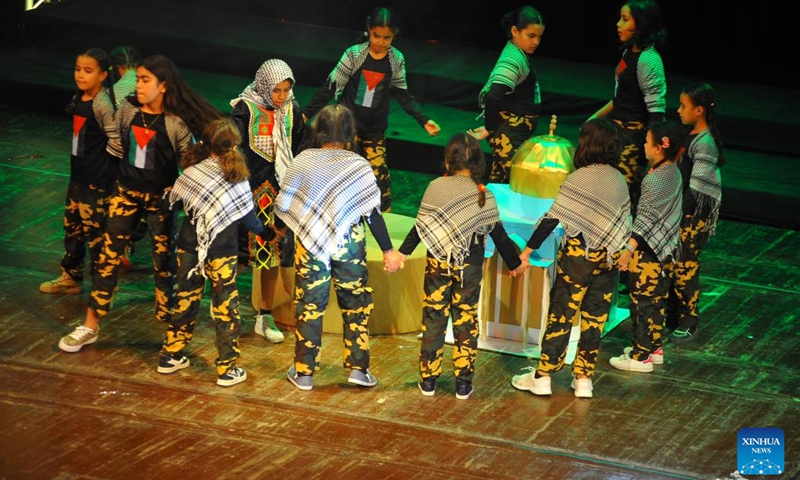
[
  {"x": 702, "y": 95},
  {"x": 221, "y": 140},
  {"x": 181, "y": 99},
  {"x": 463, "y": 152},
  {"x": 101, "y": 57},
  {"x": 671, "y": 136},
  {"x": 521, "y": 18}
]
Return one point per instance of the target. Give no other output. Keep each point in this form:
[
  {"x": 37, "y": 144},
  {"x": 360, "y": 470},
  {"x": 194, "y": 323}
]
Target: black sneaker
[
  {"x": 232, "y": 377},
  {"x": 683, "y": 335},
  {"x": 464, "y": 389},
  {"x": 427, "y": 386},
  {"x": 167, "y": 364}
]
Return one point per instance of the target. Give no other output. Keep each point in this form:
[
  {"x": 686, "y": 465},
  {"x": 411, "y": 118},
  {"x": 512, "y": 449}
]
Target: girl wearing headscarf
[{"x": 271, "y": 124}]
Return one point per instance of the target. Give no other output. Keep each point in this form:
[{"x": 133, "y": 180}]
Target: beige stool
[{"x": 397, "y": 297}]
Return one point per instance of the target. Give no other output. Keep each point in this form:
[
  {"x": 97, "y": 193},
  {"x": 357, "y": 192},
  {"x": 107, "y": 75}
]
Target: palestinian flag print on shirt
[
  {"x": 140, "y": 156},
  {"x": 370, "y": 88},
  {"x": 78, "y": 135}
]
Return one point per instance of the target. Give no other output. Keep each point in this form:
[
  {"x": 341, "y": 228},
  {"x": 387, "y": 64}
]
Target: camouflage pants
[
  {"x": 221, "y": 271},
  {"x": 513, "y": 131},
  {"x": 348, "y": 270},
  {"x": 125, "y": 209},
  {"x": 649, "y": 287},
  {"x": 84, "y": 221},
  {"x": 374, "y": 150},
  {"x": 632, "y": 158},
  {"x": 450, "y": 290},
  {"x": 583, "y": 286},
  {"x": 685, "y": 289}
]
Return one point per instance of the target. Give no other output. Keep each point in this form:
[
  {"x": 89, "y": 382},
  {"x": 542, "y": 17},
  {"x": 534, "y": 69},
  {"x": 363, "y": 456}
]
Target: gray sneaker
[
  {"x": 364, "y": 379},
  {"x": 265, "y": 326},
  {"x": 77, "y": 339},
  {"x": 303, "y": 382}
]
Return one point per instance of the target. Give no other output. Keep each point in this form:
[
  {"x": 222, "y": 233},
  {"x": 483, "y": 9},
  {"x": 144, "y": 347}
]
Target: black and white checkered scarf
[
  {"x": 511, "y": 69},
  {"x": 658, "y": 214},
  {"x": 594, "y": 201},
  {"x": 324, "y": 193},
  {"x": 449, "y": 216},
  {"x": 354, "y": 57},
  {"x": 211, "y": 203},
  {"x": 278, "y": 147},
  {"x": 705, "y": 182}
]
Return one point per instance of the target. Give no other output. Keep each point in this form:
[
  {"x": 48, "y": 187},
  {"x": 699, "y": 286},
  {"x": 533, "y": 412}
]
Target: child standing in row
[
  {"x": 271, "y": 127},
  {"x": 594, "y": 207},
  {"x": 327, "y": 194},
  {"x": 454, "y": 217},
  {"x": 702, "y": 195},
  {"x": 363, "y": 80},
  {"x": 214, "y": 192},
  {"x": 651, "y": 251},
  {"x": 92, "y": 172},
  {"x": 155, "y": 128}
]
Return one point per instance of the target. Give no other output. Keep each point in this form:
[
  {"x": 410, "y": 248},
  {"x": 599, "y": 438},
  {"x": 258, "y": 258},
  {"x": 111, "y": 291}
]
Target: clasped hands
[{"x": 393, "y": 261}]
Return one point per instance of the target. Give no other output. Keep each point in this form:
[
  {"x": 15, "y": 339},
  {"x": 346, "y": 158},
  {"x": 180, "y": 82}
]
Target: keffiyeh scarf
[
  {"x": 705, "y": 182},
  {"x": 511, "y": 69},
  {"x": 449, "y": 216},
  {"x": 271, "y": 73},
  {"x": 211, "y": 203},
  {"x": 594, "y": 201},
  {"x": 324, "y": 193},
  {"x": 354, "y": 57},
  {"x": 658, "y": 214}
]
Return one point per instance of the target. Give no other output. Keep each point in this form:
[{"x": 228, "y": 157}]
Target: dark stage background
[{"x": 711, "y": 39}]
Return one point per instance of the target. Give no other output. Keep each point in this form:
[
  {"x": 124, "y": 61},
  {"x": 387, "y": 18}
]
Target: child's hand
[
  {"x": 393, "y": 261},
  {"x": 432, "y": 128},
  {"x": 523, "y": 267},
  {"x": 479, "y": 133},
  {"x": 624, "y": 260}
]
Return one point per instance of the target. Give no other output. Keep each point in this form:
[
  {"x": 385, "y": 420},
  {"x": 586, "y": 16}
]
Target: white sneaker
[
  {"x": 77, "y": 339},
  {"x": 265, "y": 326},
  {"x": 625, "y": 362},
  {"x": 583, "y": 387},
  {"x": 529, "y": 382},
  {"x": 657, "y": 357}
]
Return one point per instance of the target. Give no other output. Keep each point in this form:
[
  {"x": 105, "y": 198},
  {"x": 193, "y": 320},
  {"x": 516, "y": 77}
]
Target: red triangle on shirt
[
  {"x": 373, "y": 78},
  {"x": 77, "y": 124},
  {"x": 621, "y": 67},
  {"x": 142, "y": 135}
]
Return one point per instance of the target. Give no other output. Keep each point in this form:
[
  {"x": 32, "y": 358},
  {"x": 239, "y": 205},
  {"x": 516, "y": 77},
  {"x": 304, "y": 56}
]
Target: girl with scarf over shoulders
[
  {"x": 214, "y": 192},
  {"x": 594, "y": 208},
  {"x": 511, "y": 98},
  {"x": 327, "y": 196},
  {"x": 271, "y": 127}
]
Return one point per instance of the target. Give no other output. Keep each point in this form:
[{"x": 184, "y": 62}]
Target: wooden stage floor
[{"x": 104, "y": 413}]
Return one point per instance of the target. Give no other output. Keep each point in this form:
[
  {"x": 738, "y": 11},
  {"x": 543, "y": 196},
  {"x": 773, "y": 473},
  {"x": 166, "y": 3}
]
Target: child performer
[
  {"x": 326, "y": 195},
  {"x": 511, "y": 99},
  {"x": 454, "y": 217},
  {"x": 640, "y": 87},
  {"x": 594, "y": 207},
  {"x": 155, "y": 129},
  {"x": 653, "y": 247},
  {"x": 214, "y": 192},
  {"x": 92, "y": 172},
  {"x": 362, "y": 80},
  {"x": 702, "y": 195},
  {"x": 271, "y": 127}
]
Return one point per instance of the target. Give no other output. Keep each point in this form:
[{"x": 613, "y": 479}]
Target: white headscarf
[{"x": 269, "y": 75}]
